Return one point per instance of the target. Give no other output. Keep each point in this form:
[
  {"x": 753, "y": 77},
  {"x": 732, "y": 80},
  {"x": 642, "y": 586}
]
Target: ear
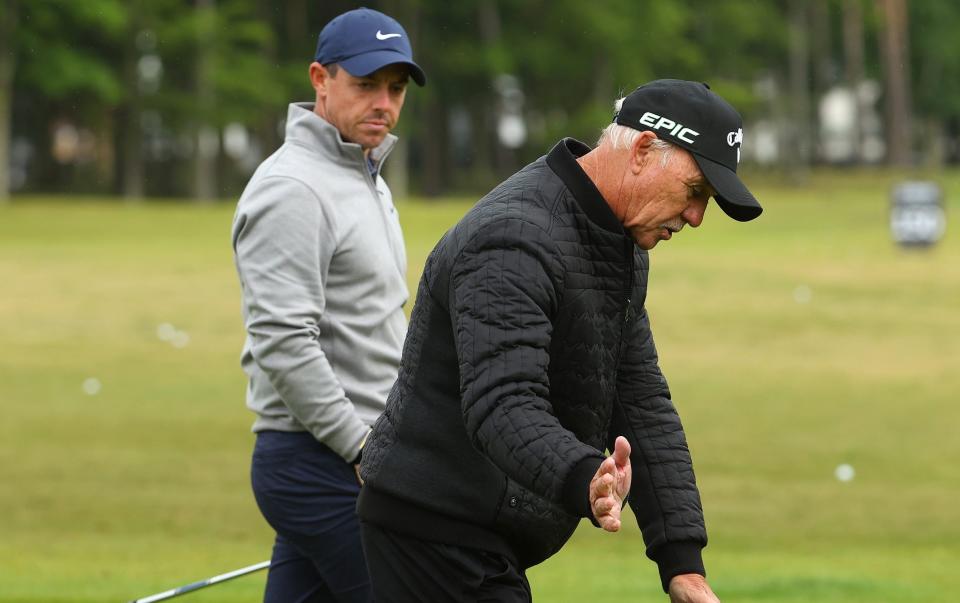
[
  {"x": 641, "y": 151},
  {"x": 319, "y": 78}
]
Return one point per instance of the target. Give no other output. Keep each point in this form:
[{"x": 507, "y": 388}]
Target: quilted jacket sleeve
[
  {"x": 663, "y": 494},
  {"x": 503, "y": 292}
]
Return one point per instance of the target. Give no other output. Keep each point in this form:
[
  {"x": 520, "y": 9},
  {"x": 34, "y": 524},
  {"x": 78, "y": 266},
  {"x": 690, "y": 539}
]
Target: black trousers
[{"x": 404, "y": 569}]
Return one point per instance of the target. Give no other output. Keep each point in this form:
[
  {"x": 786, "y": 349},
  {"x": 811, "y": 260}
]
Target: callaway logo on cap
[
  {"x": 364, "y": 40},
  {"x": 693, "y": 117}
]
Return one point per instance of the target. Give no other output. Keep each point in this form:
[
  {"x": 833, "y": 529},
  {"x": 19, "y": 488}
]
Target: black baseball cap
[
  {"x": 364, "y": 40},
  {"x": 695, "y": 118}
]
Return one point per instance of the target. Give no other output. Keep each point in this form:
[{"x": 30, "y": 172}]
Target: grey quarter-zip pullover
[{"x": 320, "y": 256}]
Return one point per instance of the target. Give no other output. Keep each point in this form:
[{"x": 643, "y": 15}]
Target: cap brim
[
  {"x": 364, "y": 64},
  {"x": 732, "y": 196}
]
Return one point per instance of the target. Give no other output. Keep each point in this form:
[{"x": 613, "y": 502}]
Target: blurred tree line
[{"x": 184, "y": 97}]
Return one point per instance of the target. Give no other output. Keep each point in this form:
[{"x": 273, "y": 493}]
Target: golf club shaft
[{"x": 176, "y": 592}]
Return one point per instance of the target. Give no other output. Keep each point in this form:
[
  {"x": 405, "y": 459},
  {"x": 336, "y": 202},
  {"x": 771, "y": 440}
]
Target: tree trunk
[
  {"x": 7, "y": 65},
  {"x": 820, "y": 56},
  {"x": 854, "y": 67},
  {"x": 490, "y": 29},
  {"x": 797, "y": 144},
  {"x": 935, "y": 147},
  {"x": 894, "y": 50},
  {"x": 432, "y": 145},
  {"x": 295, "y": 22},
  {"x": 821, "y": 52},
  {"x": 265, "y": 130},
  {"x": 398, "y": 167},
  {"x": 206, "y": 137},
  {"x": 131, "y": 140},
  {"x": 130, "y": 157}
]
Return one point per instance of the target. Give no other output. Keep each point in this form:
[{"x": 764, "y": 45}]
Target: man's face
[
  {"x": 363, "y": 109},
  {"x": 661, "y": 199}
]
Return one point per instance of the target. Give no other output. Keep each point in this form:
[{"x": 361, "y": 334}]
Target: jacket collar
[
  {"x": 309, "y": 129},
  {"x": 562, "y": 159}
]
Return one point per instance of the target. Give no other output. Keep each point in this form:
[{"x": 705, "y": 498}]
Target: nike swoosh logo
[{"x": 383, "y": 36}]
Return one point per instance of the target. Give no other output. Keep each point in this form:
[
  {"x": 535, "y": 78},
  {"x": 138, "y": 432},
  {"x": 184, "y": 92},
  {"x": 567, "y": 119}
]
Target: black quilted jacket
[{"x": 528, "y": 352}]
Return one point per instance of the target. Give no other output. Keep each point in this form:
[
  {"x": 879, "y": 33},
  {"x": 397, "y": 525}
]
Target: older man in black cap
[
  {"x": 530, "y": 353},
  {"x": 322, "y": 268}
]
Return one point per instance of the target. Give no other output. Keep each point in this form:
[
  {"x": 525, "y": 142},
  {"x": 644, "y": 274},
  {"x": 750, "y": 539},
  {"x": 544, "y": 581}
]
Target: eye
[{"x": 701, "y": 191}]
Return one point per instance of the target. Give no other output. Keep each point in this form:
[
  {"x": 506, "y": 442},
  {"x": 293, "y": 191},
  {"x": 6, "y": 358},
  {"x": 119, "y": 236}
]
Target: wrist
[
  {"x": 575, "y": 494},
  {"x": 356, "y": 460},
  {"x": 677, "y": 558}
]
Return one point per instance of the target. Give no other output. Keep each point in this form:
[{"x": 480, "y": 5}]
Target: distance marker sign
[{"x": 917, "y": 218}]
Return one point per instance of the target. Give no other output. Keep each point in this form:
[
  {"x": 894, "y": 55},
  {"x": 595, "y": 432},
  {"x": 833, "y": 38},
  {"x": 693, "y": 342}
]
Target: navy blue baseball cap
[
  {"x": 692, "y": 116},
  {"x": 364, "y": 40}
]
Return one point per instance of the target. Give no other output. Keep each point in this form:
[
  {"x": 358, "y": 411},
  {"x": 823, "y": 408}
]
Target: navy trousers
[{"x": 308, "y": 494}]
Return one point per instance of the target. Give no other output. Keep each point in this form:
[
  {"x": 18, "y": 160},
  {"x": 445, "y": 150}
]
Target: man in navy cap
[
  {"x": 530, "y": 353},
  {"x": 320, "y": 256}
]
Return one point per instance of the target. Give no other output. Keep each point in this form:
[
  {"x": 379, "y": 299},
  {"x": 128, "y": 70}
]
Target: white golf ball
[
  {"x": 181, "y": 339},
  {"x": 166, "y": 331},
  {"x": 844, "y": 472},
  {"x": 91, "y": 386},
  {"x": 802, "y": 294}
]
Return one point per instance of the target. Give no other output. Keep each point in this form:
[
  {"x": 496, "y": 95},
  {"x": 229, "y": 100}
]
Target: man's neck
[{"x": 599, "y": 165}]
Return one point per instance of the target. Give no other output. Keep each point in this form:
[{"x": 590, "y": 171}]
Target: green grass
[{"x": 144, "y": 485}]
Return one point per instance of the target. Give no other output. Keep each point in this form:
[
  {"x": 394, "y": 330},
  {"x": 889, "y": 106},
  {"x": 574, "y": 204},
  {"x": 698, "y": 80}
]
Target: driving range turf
[{"x": 792, "y": 344}]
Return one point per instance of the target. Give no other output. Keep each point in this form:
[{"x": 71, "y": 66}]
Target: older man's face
[{"x": 662, "y": 199}]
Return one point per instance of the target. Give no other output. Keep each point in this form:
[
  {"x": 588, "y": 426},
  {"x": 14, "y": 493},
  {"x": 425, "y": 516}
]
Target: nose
[
  {"x": 382, "y": 100},
  {"x": 693, "y": 214}
]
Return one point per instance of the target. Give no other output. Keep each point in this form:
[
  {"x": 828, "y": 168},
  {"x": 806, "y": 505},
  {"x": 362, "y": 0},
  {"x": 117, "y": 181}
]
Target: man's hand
[
  {"x": 691, "y": 588},
  {"x": 357, "y": 469},
  {"x": 610, "y": 485}
]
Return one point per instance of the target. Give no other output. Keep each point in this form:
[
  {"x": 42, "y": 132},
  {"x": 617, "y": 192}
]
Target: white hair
[{"x": 623, "y": 137}]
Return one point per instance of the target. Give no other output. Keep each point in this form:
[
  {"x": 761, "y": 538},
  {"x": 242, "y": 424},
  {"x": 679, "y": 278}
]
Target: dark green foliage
[{"x": 241, "y": 61}]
